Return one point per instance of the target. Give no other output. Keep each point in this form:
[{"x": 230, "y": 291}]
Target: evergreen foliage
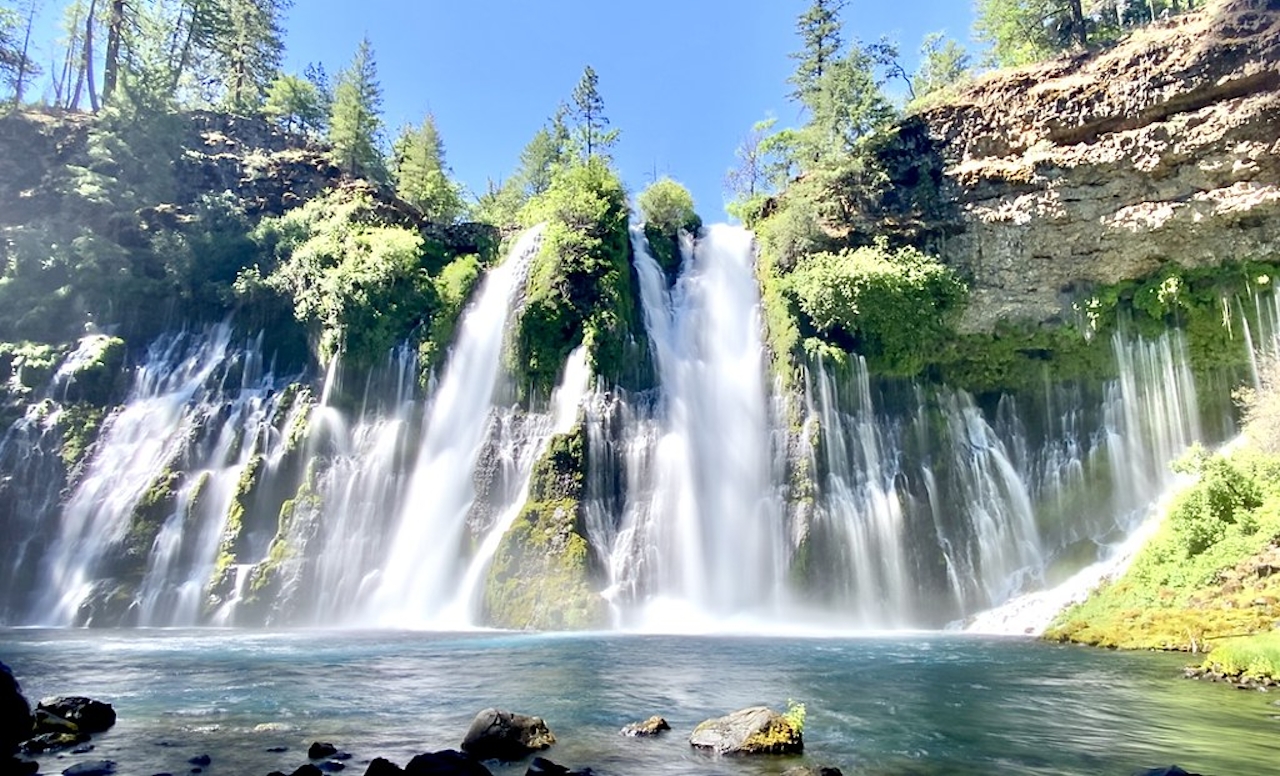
[
  {"x": 420, "y": 174},
  {"x": 355, "y": 122},
  {"x": 821, "y": 39},
  {"x": 297, "y": 105},
  {"x": 944, "y": 63},
  {"x": 250, "y": 51},
  {"x": 592, "y": 134}
]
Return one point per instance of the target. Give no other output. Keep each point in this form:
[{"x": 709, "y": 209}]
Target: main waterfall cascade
[{"x": 220, "y": 493}]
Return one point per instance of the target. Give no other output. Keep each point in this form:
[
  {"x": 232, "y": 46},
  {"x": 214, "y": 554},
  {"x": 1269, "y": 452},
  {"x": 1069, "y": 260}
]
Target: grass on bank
[{"x": 1248, "y": 658}]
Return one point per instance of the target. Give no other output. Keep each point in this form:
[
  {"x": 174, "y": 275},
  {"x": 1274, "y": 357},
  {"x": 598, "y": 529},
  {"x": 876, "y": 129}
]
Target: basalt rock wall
[{"x": 1104, "y": 166}]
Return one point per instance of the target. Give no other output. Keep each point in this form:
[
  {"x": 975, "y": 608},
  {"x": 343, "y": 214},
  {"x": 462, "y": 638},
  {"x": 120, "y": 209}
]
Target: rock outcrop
[{"x": 1102, "y": 167}]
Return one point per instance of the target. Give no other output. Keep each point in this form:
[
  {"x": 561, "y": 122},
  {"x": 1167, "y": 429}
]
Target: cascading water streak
[
  {"x": 704, "y": 529},
  {"x": 417, "y": 582}
]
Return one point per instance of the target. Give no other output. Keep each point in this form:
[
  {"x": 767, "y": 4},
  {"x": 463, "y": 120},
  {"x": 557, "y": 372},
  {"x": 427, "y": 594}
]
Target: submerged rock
[
  {"x": 89, "y": 715},
  {"x": 91, "y": 768},
  {"x": 52, "y": 742},
  {"x": 320, "y": 750},
  {"x": 813, "y": 770},
  {"x": 541, "y": 766},
  {"x": 650, "y": 727},
  {"x": 503, "y": 735},
  {"x": 1172, "y": 770},
  {"x": 756, "y": 730}
]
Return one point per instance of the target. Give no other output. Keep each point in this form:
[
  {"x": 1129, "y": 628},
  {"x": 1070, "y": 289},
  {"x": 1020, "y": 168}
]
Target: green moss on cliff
[
  {"x": 79, "y": 424},
  {"x": 542, "y": 576}
]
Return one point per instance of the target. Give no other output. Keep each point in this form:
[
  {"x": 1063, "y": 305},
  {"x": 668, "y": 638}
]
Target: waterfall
[
  {"x": 702, "y": 527},
  {"x": 424, "y": 563},
  {"x": 932, "y": 507},
  {"x": 175, "y": 394}
]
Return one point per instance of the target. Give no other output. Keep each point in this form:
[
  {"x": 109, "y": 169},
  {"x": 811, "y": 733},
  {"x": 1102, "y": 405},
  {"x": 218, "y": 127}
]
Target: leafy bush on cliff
[
  {"x": 667, "y": 210},
  {"x": 579, "y": 286},
  {"x": 360, "y": 283},
  {"x": 892, "y": 306}
]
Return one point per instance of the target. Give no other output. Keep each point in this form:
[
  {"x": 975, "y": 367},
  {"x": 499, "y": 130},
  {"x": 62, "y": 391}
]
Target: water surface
[{"x": 919, "y": 704}]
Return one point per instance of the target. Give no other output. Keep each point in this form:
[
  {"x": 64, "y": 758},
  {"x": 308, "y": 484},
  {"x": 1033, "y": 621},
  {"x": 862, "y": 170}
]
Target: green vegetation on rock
[
  {"x": 1247, "y": 659},
  {"x": 667, "y": 210},
  {"x": 579, "y": 288},
  {"x": 543, "y": 575}
]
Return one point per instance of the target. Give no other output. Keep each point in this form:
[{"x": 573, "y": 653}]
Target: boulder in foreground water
[
  {"x": 1172, "y": 770},
  {"x": 813, "y": 770},
  {"x": 757, "y": 730},
  {"x": 15, "y": 713},
  {"x": 503, "y": 735},
  {"x": 541, "y": 766},
  {"x": 91, "y": 768},
  {"x": 89, "y": 715}
]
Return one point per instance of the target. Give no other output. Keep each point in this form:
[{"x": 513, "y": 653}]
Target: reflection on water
[{"x": 886, "y": 705}]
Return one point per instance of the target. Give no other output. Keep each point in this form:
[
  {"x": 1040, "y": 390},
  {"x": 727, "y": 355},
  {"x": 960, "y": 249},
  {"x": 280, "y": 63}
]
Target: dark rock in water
[
  {"x": 503, "y": 735},
  {"x": 93, "y": 768},
  {"x": 308, "y": 770},
  {"x": 277, "y": 749},
  {"x": 16, "y": 767},
  {"x": 340, "y": 756},
  {"x": 15, "y": 713},
  {"x": 813, "y": 770},
  {"x": 757, "y": 730},
  {"x": 650, "y": 727},
  {"x": 447, "y": 762},
  {"x": 83, "y": 749},
  {"x": 320, "y": 750},
  {"x": 383, "y": 767},
  {"x": 1172, "y": 770},
  {"x": 201, "y": 760},
  {"x": 541, "y": 766},
  {"x": 89, "y": 715},
  {"x": 46, "y": 722},
  {"x": 52, "y": 742},
  {"x": 331, "y": 766}
]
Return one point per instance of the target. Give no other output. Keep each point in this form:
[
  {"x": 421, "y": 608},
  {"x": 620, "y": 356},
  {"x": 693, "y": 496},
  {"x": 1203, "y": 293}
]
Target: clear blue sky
[{"x": 684, "y": 80}]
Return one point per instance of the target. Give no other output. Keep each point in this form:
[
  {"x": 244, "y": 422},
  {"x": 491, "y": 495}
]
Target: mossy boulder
[
  {"x": 503, "y": 735},
  {"x": 542, "y": 576},
  {"x": 755, "y": 730},
  {"x": 94, "y": 372}
]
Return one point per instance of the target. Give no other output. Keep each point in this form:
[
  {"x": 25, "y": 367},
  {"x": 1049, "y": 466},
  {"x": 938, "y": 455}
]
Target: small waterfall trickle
[
  {"x": 702, "y": 528},
  {"x": 425, "y": 558}
]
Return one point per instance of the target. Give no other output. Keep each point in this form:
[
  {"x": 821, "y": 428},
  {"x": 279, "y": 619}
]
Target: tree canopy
[{"x": 355, "y": 122}]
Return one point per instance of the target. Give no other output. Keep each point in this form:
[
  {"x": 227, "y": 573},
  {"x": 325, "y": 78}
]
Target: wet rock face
[
  {"x": 650, "y": 727},
  {"x": 88, "y": 715},
  {"x": 1097, "y": 168},
  {"x": 503, "y": 735},
  {"x": 756, "y": 730}
]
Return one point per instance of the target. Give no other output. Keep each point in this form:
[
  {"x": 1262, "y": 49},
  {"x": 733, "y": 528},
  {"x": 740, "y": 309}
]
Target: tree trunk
[
  {"x": 24, "y": 59},
  {"x": 1078, "y": 28},
  {"x": 115, "y": 31},
  {"x": 88, "y": 59}
]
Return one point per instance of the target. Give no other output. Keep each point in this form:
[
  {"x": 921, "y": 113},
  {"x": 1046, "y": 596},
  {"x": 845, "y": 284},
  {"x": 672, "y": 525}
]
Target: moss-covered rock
[
  {"x": 79, "y": 424},
  {"x": 543, "y": 576},
  {"x": 93, "y": 372},
  {"x": 580, "y": 286}
]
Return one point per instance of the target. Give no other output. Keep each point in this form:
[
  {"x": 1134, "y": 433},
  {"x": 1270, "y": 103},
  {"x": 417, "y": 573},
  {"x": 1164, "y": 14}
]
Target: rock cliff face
[{"x": 1103, "y": 167}]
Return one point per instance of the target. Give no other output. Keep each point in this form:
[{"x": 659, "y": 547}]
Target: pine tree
[
  {"x": 19, "y": 68},
  {"x": 251, "y": 51},
  {"x": 10, "y": 44},
  {"x": 820, "y": 35},
  {"x": 545, "y": 154},
  {"x": 588, "y": 110},
  {"x": 1023, "y": 31},
  {"x": 420, "y": 174},
  {"x": 297, "y": 104},
  {"x": 355, "y": 122},
  {"x": 196, "y": 31}
]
